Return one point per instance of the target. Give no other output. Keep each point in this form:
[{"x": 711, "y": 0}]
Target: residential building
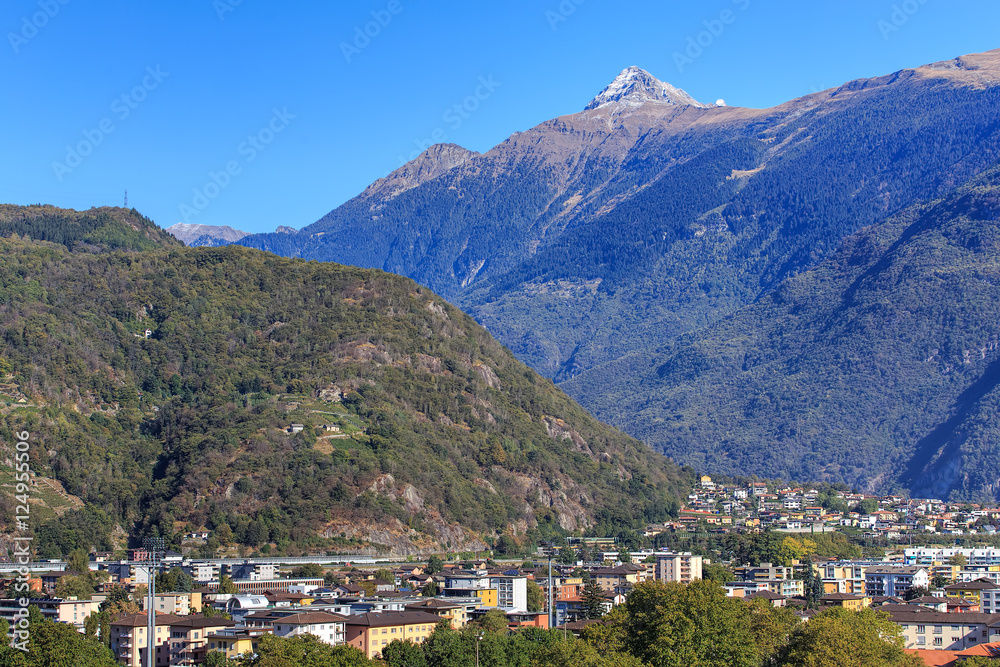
[
  {"x": 472, "y": 585},
  {"x": 989, "y": 601},
  {"x": 788, "y": 588},
  {"x": 763, "y": 572},
  {"x": 679, "y": 567},
  {"x": 328, "y": 627},
  {"x": 234, "y": 642},
  {"x": 454, "y": 613},
  {"x": 970, "y": 590},
  {"x": 950, "y": 632},
  {"x": 619, "y": 578},
  {"x": 512, "y": 592},
  {"x": 129, "y": 639},
  {"x": 894, "y": 580},
  {"x": 177, "y": 604},
  {"x": 852, "y": 602},
  {"x": 189, "y": 634},
  {"x": 71, "y": 612},
  {"x": 373, "y": 631}
]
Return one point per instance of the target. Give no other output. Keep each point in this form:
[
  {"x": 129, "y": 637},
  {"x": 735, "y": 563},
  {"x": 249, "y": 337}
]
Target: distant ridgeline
[
  {"x": 163, "y": 384},
  {"x": 594, "y": 244}
]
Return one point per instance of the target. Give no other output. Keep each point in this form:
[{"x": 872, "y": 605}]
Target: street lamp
[{"x": 479, "y": 638}]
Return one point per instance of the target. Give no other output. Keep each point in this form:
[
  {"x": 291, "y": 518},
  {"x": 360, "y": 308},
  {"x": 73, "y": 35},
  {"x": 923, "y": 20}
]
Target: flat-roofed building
[{"x": 679, "y": 567}]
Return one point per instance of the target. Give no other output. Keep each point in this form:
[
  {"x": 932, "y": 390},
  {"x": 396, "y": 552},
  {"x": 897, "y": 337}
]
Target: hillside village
[{"x": 763, "y": 505}]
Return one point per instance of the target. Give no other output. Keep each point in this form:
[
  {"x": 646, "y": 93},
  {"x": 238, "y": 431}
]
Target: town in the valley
[{"x": 944, "y": 594}]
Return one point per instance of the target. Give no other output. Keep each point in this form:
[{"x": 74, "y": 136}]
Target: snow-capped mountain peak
[{"x": 635, "y": 86}]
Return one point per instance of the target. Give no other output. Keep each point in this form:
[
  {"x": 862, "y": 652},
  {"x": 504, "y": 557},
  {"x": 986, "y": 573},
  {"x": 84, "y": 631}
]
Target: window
[
  {"x": 938, "y": 641},
  {"x": 921, "y": 641},
  {"x": 955, "y": 639},
  {"x": 921, "y": 630},
  {"x": 938, "y": 629}
]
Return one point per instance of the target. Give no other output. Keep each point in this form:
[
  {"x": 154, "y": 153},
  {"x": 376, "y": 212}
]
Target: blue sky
[{"x": 256, "y": 114}]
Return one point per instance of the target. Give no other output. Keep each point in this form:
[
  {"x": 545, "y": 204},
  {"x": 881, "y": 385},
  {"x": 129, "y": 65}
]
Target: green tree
[
  {"x": 79, "y": 561},
  {"x": 576, "y": 653},
  {"x": 958, "y": 559},
  {"x": 385, "y": 574},
  {"x": 399, "y": 653},
  {"x": 79, "y": 587},
  {"x": 434, "y": 565},
  {"x": 494, "y": 620},
  {"x": 623, "y": 554},
  {"x": 216, "y": 659},
  {"x": 839, "y": 637},
  {"x": 226, "y": 585},
  {"x": 430, "y": 589},
  {"x": 813, "y": 585},
  {"x": 720, "y": 574},
  {"x": 866, "y": 506},
  {"x": 676, "y": 625},
  {"x": 593, "y": 599},
  {"x": 536, "y": 596},
  {"x": 308, "y": 570},
  {"x": 445, "y": 647},
  {"x": 303, "y": 651},
  {"x": 183, "y": 582},
  {"x": 771, "y": 627},
  {"x": 52, "y": 644}
]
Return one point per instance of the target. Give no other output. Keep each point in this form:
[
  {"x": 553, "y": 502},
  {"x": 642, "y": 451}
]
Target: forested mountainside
[
  {"x": 604, "y": 232},
  {"x": 161, "y": 386},
  {"x": 879, "y": 367}
]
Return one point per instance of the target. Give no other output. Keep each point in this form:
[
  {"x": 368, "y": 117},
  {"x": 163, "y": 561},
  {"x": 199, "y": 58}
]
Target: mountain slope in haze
[
  {"x": 879, "y": 367},
  {"x": 196, "y": 236},
  {"x": 162, "y": 385},
  {"x": 601, "y": 233}
]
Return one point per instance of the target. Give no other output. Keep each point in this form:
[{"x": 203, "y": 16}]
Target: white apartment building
[
  {"x": 894, "y": 580},
  {"x": 512, "y": 592},
  {"x": 328, "y": 627}
]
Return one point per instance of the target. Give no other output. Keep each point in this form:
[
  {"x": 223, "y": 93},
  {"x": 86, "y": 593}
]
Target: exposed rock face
[
  {"x": 433, "y": 162},
  {"x": 393, "y": 536}
]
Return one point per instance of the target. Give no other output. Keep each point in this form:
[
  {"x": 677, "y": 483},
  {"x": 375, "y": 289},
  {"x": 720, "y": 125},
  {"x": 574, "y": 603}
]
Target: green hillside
[
  {"x": 420, "y": 430},
  {"x": 880, "y": 367}
]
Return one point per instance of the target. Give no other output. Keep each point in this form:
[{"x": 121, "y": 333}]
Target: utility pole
[
  {"x": 154, "y": 547},
  {"x": 479, "y": 638}
]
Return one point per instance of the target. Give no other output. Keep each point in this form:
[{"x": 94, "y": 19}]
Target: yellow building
[
  {"x": 852, "y": 602},
  {"x": 372, "y": 632},
  {"x": 234, "y": 643},
  {"x": 970, "y": 590}
]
